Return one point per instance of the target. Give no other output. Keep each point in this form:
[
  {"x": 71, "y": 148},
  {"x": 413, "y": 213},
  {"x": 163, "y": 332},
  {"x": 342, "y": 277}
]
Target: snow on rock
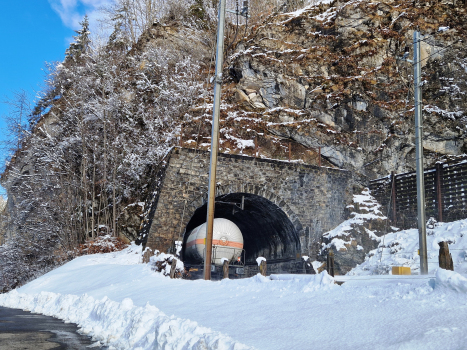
[
  {"x": 357, "y": 235},
  {"x": 366, "y": 209},
  {"x": 259, "y": 260},
  {"x": 162, "y": 262}
]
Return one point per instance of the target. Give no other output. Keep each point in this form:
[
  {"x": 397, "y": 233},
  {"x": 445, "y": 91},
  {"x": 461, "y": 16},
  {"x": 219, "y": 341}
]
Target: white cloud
[{"x": 72, "y": 12}]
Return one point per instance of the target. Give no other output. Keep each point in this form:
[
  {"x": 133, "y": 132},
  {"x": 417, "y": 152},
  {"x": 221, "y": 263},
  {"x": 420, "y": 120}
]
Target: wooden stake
[
  {"x": 225, "y": 269},
  {"x": 173, "y": 267},
  {"x": 263, "y": 268},
  {"x": 445, "y": 258}
]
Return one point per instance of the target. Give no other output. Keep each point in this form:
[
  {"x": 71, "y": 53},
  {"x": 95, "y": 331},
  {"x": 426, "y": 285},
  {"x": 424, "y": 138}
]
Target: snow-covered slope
[
  {"x": 400, "y": 248},
  {"x": 123, "y": 303}
]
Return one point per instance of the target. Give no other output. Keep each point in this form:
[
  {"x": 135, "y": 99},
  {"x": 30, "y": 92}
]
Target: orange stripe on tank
[
  {"x": 194, "y": 242},
  {"x": 227, "y": 243},
  {"x": 215, "y": 242}
]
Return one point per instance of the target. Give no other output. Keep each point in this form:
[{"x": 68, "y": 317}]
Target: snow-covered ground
[{"x": 125, "y": 304}]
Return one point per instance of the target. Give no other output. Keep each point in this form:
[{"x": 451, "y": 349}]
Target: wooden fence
[{"x": 445, "y": 194}]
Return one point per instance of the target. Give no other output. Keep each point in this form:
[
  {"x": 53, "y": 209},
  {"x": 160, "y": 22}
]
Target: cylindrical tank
[{"x": 227, "y": 242}]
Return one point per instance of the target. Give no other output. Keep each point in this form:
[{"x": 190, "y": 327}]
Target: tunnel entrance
[{"x": 266, "y": 229}]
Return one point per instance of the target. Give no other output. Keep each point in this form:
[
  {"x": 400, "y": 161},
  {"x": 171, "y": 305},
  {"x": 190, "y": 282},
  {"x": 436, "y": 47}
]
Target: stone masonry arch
[
  {"x": 313, "y": 198},
  {"x": 237, "y": 187},
  {"x": 267, "y": 230}
]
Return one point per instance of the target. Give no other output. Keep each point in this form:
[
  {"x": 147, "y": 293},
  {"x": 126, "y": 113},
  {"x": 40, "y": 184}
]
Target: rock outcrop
[
  {"x": 356, "y": 236},
  {"x": 329, "y": 77}
]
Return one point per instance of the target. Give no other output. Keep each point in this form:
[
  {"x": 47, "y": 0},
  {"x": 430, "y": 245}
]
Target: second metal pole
[
  {"x": 419, "y": 155},
  {"x": 214, "y": 140}
]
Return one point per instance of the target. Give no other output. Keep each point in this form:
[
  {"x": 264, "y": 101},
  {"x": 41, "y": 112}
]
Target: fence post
[
  {"x": 263, "y": 268},
  {"x": 393, "y": 197},
  {"x": 439, "y": 191},
  {"x": 225, "y": 269},
  {"x": 147, "y": 255},
  {"x": 445, "y": 258},
  {"x": 173, "y": 267},
  {"x": 330, "y": 263}
]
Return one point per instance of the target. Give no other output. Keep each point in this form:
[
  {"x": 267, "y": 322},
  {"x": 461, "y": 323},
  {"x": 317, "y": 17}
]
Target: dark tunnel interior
[{"x": 266, "y": 229}]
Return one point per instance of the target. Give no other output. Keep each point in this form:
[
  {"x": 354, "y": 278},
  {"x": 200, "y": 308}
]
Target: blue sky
[{"x": 31, "y": 33}]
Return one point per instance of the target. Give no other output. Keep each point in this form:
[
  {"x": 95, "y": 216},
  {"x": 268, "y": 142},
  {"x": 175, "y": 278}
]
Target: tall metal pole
[
  {"x": 419, "y": 155},
  {"x": 214, "y": 140}
]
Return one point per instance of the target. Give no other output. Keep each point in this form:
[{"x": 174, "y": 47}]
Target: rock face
[
  {"x": 356, "y": 236},
  {"x": 332, "y": 71}
]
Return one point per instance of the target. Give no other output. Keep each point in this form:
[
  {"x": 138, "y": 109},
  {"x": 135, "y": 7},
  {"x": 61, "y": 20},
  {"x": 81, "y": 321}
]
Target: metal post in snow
[
  {"x": 214, "y": 140},
  {"x": 439, "y": 193},
  {"x": 393, "y": 197},
  {"x": 419, "y": 155}
]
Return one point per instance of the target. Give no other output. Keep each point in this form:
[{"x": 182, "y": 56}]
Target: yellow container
[{"x": 401, "y": 270}]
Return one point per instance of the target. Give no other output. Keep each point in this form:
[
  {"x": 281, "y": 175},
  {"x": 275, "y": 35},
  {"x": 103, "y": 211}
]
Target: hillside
[{"x": 323, "y": 79}]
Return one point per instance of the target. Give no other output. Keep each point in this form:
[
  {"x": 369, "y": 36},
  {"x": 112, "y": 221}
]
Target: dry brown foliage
[{"x": 103, "y": 244}]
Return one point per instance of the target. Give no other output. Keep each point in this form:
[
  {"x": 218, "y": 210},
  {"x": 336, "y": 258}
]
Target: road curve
[{"x": 24, "y": 330}]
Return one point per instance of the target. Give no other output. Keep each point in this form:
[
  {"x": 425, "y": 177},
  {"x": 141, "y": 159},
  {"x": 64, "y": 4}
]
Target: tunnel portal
[{"x": 266, "y": 229}]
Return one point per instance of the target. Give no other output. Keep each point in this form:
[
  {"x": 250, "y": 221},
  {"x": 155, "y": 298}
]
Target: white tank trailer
[{"x": 227, "y": 242}]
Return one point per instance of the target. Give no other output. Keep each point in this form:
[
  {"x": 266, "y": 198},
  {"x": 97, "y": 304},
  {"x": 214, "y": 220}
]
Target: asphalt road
[{"x": 23, "y": 330}]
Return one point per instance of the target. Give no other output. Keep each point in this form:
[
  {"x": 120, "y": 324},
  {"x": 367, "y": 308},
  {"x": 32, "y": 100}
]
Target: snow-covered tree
[{"x": 81, "y": 42}]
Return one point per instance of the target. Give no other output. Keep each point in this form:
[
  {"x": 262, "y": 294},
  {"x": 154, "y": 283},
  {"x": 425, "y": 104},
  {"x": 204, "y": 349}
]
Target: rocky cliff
[{"x": 329, "y": 76}]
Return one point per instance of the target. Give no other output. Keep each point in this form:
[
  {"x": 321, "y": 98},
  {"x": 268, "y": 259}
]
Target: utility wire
[{"x": 444, "y": 48}]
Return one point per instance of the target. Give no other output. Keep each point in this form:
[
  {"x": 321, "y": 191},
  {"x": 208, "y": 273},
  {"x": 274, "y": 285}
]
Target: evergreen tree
[{"x": 81, "y": 43}]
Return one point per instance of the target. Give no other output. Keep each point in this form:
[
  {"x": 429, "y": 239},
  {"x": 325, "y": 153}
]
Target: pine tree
[{"x": 81, "y": 43}]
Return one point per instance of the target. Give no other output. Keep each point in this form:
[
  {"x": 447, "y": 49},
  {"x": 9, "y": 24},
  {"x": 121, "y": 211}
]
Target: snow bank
[
  {"x": 451, "y": 280},
  {"x": 126, "y": 305},
  {"x": 123, "y": 325},
  {"x": 308, "y": 283}
]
